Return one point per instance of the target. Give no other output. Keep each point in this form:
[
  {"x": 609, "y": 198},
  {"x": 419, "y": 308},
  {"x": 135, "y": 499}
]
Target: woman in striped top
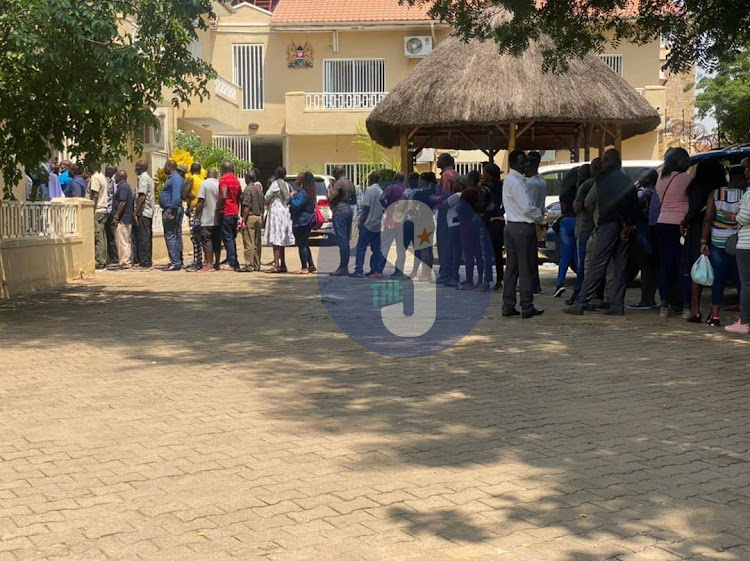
[{"x": 720, "y": 223}]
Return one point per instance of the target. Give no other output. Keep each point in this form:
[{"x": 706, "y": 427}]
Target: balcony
[
  {"x": 220, "y": 111},
  {"x": 319, "y": 113},
  {"x": 343, "y": 101}
]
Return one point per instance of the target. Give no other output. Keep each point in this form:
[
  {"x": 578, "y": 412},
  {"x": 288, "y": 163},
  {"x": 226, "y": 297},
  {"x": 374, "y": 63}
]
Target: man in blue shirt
[
  {"x": 170, "y": 201},
  {"x": 77, "y": 187},
  {"x": 64, "y": 177}
]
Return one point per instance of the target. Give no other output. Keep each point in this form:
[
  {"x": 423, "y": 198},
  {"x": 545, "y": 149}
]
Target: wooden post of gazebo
[
  {"x": 618, "y": 138},
  {"x": 511, "y": 137},
  {"x": 404, "y": 147}
]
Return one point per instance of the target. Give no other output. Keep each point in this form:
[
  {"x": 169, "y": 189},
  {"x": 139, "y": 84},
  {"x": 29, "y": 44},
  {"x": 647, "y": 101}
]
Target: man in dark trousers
[
  {"x": 521, "y": 219},
  {"x": 617, "y": 207},
  {"x": 339, "y": 196}
]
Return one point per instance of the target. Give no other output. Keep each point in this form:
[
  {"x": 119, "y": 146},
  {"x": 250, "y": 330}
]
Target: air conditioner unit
[{"x": 417, "y": 47}]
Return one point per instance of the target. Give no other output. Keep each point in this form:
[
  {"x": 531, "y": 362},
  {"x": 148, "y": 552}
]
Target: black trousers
[
  {"x": 114, "y": 257},
  {"x": 496, "y": 228},
  {"x": 608, "y": 246},
  {"x": 144, "y": 234},
  {"x": 522, "y": 265}
]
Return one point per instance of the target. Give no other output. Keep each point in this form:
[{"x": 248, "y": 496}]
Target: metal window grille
[
  {"x": 615, "y": 62},
  {"x": 358, "y": 173},
  {"x": 462, "y": 168},
  {"x": 239, "y": 145},
  {"x": 354, "y": 75},
  {"x": 249, "y": 72}
]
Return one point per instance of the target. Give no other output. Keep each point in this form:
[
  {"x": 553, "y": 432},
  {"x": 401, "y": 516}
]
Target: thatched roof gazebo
[{"x": 467, "y": 96}]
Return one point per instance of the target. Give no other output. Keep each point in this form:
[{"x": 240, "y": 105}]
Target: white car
[{"x": 555, "y": 174}]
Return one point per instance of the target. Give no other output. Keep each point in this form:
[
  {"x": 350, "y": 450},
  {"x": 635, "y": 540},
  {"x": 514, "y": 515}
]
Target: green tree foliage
[
  {"x": 209, "y": 156},
  {"x": 726, "y": 95},
  {"x": 74, "y": 69},
  {"x": 372, "y": 153},
  {"x": 702, "y": 31}
]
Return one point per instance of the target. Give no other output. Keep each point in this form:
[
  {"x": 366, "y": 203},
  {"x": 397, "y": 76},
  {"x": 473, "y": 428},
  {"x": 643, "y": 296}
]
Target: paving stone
[{"x": 220, "y": 416}]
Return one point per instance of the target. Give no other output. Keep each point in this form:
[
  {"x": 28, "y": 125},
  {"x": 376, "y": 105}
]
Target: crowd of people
[{"x": 608, "y": 224}]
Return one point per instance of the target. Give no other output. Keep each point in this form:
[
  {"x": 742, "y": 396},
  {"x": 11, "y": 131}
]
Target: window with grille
[
  {"x": 614, "y": 62},
  {"x": 354, "y": 76},
  {"x": 249, "y": 70},
  {"x": 358, "y": 173},
  {"x": 239, "y": 145}
]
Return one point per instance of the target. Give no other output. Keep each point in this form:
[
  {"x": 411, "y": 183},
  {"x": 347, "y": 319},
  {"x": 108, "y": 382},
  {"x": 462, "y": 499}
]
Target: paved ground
[{"x": 206, "y": 417}]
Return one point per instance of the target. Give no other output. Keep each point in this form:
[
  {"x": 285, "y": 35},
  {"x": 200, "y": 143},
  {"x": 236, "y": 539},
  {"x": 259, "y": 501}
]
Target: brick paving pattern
[{"x": 209, "y": 417}]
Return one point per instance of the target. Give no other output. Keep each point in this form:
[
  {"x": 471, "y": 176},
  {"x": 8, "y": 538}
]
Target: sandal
[
  {"x": 273, "y": 270},
  {"x": 283, "y": 270},
  {"x": 303, "y": 272},
  {"x": 695, "y": 318},
  {"x": 713, "y": 321}
]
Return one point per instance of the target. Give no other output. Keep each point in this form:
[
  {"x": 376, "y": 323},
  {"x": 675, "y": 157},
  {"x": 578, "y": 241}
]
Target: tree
[
  {"x": 79, "y": 70},
  {"x": 726, "y": 95},
  {"x": 699, "y": 31}
]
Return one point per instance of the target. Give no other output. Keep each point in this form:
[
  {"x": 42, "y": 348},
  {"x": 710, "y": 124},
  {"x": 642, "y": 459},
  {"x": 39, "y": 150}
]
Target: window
[
  {"x": 614, "y": 62},
  {"x": 358, "y": 173},
  {"x": 354, "y": 76},
  {"x": 239, "y": 145},
  {"x": 249, "y": 68}
]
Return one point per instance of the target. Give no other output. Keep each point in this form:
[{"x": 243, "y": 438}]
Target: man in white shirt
[
  {"x": 538, "y": 193},
  {"x": 98, "y": 194},
  {"x": 521, "y": 218}
]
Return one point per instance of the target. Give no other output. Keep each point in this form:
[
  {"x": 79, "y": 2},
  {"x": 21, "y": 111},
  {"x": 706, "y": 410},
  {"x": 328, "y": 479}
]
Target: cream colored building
[{"x": 296, "y": 82}]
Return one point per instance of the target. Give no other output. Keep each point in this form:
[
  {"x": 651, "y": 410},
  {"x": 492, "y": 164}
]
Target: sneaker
[
  {"x": 511, "y": 313},
  {"x": 559, "y": 292},
  {"x": 686, "y": 314},
  {"x": 466, "y": 286},
  {"x": 665, "y": 312},
  {"x": 172, "y": 268},
  {"x": 357, "y": 276},
  {"x": 192, "y": 268},
  {"x": 738, "y": 327},
  {"x": 640, "y": 306}
]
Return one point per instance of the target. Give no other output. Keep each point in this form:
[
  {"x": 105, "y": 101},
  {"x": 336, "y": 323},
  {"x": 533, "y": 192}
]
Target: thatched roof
[{"x": 472, "y": 88}]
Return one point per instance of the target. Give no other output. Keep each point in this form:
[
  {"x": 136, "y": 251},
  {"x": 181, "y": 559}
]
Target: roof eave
[{"x": 348, "y": 25}]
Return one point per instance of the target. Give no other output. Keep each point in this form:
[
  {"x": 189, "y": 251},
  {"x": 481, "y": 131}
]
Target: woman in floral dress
[{"x": 278, "y": 232}]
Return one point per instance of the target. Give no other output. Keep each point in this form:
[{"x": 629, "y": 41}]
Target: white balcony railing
[
  {"x": 23, "y": 220},
  {"x": 227, "y": 89},
  {"x": 361, "y": 101}
]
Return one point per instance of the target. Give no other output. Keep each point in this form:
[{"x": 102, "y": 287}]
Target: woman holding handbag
[
  {"x": 302, "y": 208},
  {"x": 672, "y": 189},
  {"x": 718, "y": 227},
  {"x": 709, "y": 175}
]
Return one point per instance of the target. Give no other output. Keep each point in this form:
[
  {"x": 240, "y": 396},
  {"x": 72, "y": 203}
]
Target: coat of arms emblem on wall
[{"x": 300, "y": 56}]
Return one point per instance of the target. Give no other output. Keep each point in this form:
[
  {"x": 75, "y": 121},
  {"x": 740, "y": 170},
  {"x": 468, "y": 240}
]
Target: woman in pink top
[{"x": 672, "y": 189}]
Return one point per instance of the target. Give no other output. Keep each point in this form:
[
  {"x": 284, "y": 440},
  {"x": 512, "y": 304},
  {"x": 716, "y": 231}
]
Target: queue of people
[{"x": 491, "y": 225}]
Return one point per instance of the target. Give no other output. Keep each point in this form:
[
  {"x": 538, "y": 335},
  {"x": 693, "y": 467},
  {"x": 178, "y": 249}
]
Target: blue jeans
[
  {"x": 724, "y": 265},
  {"x": 173, "y": 237},
  {"x": 302, "y": 237},
  {"x": 567, "y": 247},
  {"x": 454, "y": 235},
  {"x": 229, "y": 235},
  {"x": 369, "y": 239},
  {"x": 582, "y": 241},
  {"x": 342, "y": 227}
]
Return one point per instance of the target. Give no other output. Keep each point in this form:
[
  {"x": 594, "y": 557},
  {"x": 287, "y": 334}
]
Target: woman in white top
[
  {"x": 742, "y": 218},
  {"x": 278, "y": 232}
]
